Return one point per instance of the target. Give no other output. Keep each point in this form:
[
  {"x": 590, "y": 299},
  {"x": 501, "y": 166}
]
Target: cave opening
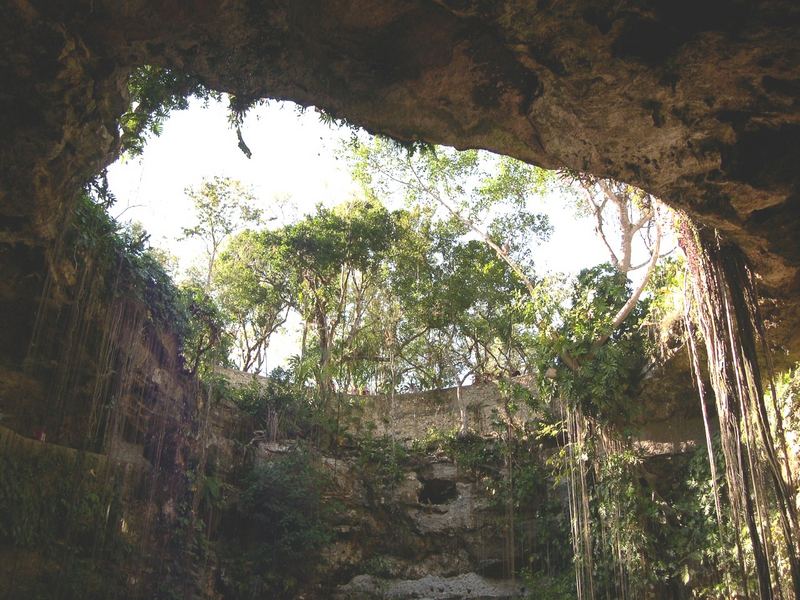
[
  {"x": 696, "y": 109},
  {"x": 438, "y": 491}
]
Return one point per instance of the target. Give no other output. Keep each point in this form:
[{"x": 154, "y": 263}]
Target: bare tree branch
[{"x": 631, "y": 303}]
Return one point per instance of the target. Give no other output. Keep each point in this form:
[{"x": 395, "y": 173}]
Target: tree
[
  {"x": 255, "y": 296},
  {"x": 622, "y": 210},
  {"x": 222, "y": 206},
  {"x": 327, "y": 267},
  {"x": 636, "y": 213},
  {"x": 204, "y": 341},
  {"x": 483, "y": 192}
]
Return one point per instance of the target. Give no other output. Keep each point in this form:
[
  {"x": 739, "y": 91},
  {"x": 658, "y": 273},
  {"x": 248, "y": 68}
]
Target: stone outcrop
[
  {"x": 469, "y": 585},
  {"x": 667, "y": 419},
  {"x": 696, "y": 103},
  {"x": 411, "y": 415},
  {"x": 435, "y": 527}
]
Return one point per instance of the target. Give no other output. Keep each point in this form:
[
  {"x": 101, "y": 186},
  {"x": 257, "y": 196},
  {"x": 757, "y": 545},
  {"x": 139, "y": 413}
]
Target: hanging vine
[{"x": 756, "y": 458}]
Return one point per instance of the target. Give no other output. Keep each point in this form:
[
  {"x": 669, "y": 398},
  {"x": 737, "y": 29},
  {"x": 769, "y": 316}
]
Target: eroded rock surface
[
  {"x": 468, "y": 585},
  {"x": 696, "y": 102}
]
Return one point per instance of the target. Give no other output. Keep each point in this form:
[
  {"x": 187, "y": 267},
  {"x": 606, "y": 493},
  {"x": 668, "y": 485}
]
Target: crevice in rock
[{"x": 438, "y": 491}]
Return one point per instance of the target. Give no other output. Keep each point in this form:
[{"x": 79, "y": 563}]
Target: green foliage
[
  {"x": 276, "y": 405},
  {"x": 222, "y": 206},
  {"x": 357, "y": 233},
  {"x": 326, "y": 267},
  {"x": 666, "y": 291},
  {"x": 125, "y": 266},
  {"x": 788, "y": 405},
  {"x": 377, "y": 566},
  {"x": 513, "y": 475},
  {"x": 658, "y": 533},
  {"x": 326, "y": 117},
  {"x": 607, "y": 377},
  {"x": 381, "y": 462},
  {"x": 622, "y": 509},
  {"x": 457, "y": 304},
  {"x": 474, "y": 181},
  {"x": 154, "y": 93},
  {"x": 541, "y": 586},
  {"x": 204, "y": 342},
  {"x": 277, "y": 526},
  {"x": 484, "y": 192},
  {"x": 44, "y": 497},
  {"x": 691, "y": 551},
  {"x": 121, "y": 258},
  {"x": 472, "y": 453},
  {"x": 61, "y": 508},
  {"x": 255, "y": 295}
]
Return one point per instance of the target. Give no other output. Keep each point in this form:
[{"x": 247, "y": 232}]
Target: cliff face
[
  {"x": 696, "y": 103},
  {"x": 85, "y": 362},
  {"x": 98, "y": 424},
  {"x": 416, "y": 511}
]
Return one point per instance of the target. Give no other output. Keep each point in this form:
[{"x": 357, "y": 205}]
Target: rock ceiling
[{"x": 697, "y": 102}]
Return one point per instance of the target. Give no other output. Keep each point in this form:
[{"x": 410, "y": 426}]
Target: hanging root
[{"x": 726, "y": 309}]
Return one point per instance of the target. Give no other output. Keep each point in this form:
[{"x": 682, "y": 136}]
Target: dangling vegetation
[
  {"x": 154, "y": 93},
  {"x": 757, "y": 466},
  {"x": 443, "y": 292}
]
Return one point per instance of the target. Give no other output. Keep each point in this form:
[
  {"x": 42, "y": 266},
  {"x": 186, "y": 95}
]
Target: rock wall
[
  {"x": 667, "y": 420},
  {"x": 77, "y": 524},
  {"x": 437, "y": 532},
  {"x": 410, "y": 416},
  {"x": 100, "y": 429},
  {"x": 91, "y": 369}
]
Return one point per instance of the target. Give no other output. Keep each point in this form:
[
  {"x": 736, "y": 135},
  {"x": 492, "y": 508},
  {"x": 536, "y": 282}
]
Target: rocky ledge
[{"x": 468, "y": 585}]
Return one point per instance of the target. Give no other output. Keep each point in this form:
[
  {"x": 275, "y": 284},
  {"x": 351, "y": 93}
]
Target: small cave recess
[{"x": 437, "y": 491}]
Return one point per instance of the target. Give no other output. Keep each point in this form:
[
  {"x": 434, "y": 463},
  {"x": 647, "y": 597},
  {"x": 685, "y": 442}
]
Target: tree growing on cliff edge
[
  {"x": 326, "y": 267},
  {"x": 222, "y": 206},
  {"x": 492, "y": 197},
  {"x": 255, "y": 296}
]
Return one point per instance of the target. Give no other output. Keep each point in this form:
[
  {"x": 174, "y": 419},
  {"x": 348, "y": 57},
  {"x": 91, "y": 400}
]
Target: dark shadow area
[{"x": 438, "y": 491}]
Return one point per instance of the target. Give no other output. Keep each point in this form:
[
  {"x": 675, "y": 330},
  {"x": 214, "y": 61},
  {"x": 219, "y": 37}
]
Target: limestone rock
[
  {"x": 466, "y": 586},
  {"x": 457, "y": 514}
]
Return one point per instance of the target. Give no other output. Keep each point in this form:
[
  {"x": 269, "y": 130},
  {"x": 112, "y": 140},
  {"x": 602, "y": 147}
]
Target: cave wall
[
  {"x": 419, "y": 517},
  {"x": 99, "y": 428},
  {"x": 84, "y": 363},
  {"x": 695, "y": 103},
  {"x": 666, "y": 418}
]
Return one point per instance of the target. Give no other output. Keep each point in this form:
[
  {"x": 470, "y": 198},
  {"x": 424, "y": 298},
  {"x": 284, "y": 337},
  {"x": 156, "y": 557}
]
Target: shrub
[{"x": 276, "y": 528}]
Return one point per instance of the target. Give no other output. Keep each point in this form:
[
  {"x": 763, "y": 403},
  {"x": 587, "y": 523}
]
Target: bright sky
[{"x": 294, "y": 164}]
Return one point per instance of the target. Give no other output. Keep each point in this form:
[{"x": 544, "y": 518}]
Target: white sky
[{"x": 294, "y": 160}]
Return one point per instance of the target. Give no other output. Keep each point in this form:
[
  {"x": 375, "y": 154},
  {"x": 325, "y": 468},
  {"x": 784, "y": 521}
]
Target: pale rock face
[
  {"x": 468, "y": 585},
  {"x": 456, "y": 514},
  {"x": 407, "y": 491}
]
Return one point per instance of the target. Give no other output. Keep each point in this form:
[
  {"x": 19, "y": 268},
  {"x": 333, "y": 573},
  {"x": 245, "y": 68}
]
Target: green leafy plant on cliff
[
  {"x": 276, "y": 405},
  {"x": 276, "y": 528},
  {"x": 154, "y": 93},
  {"x": 381, "y": 461},
  {"x": 606, "y": 380},
  {"x": 60, "y": 510},
  {"x": 121, "y": 258}
]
